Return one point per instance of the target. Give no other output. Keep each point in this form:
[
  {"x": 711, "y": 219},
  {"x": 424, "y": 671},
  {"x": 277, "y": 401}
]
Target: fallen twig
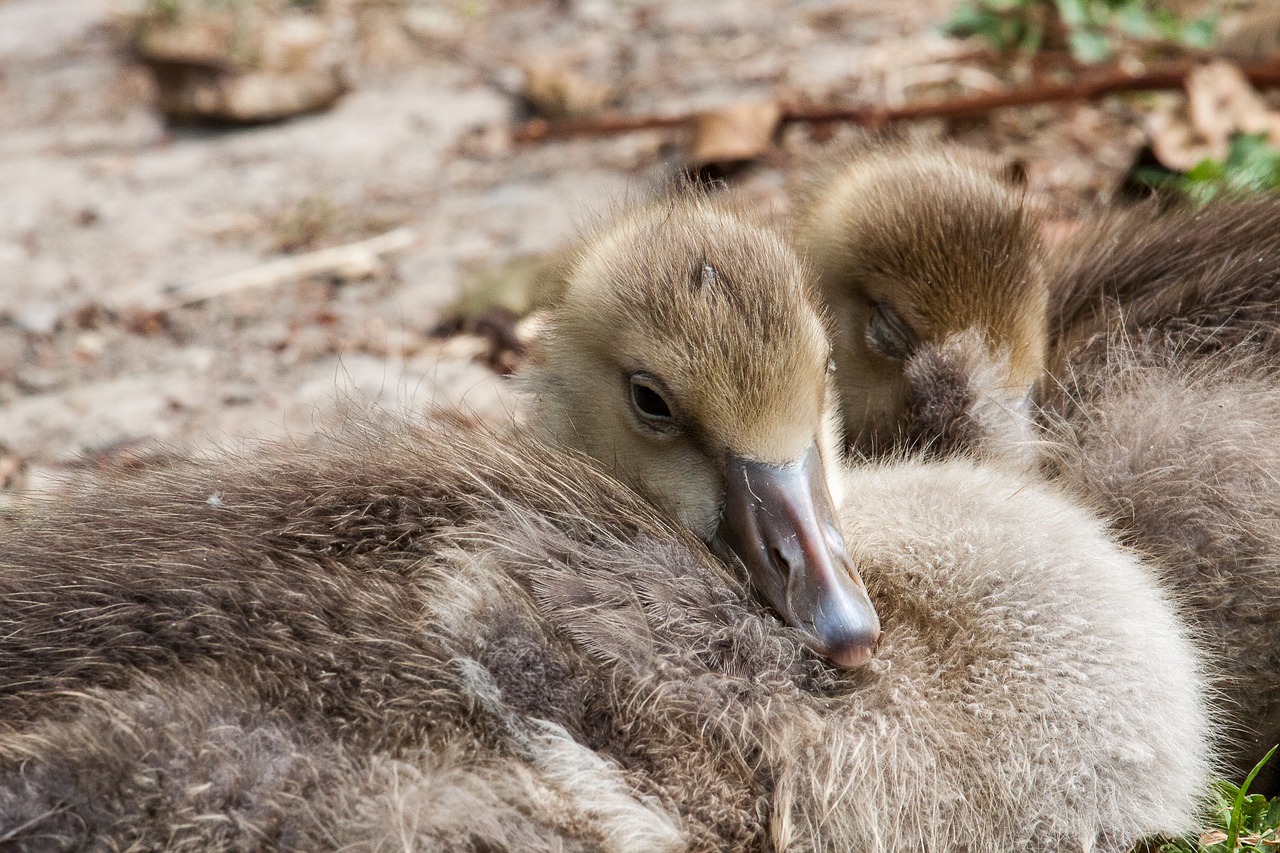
[
  {"x": 1086, "y": 87},
  {"x": 538, "y": 129},
  {"x": 354, "y": 260}
]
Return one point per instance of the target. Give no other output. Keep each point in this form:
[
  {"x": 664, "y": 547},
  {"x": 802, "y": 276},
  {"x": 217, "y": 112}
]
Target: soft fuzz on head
[
  {"x": 715, "y": 311},
  {"x": 917, "y": 248}
]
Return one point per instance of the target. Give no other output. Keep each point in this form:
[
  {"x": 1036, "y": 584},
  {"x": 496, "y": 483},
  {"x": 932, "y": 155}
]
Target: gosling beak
[{"x": 780, "y": 522}]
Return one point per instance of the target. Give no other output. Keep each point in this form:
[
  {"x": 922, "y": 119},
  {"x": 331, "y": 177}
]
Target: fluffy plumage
[
  {"x": 363, "y": 622},
  {"x": 1158, "y": 341},
  {"x": 1166, "y": 272},
  {"x": 1163, "y": 407},
  {"x": 1185, "y": 457},
  {"x": 200, "y": 763},
  {"x": 391, "y": 619}
]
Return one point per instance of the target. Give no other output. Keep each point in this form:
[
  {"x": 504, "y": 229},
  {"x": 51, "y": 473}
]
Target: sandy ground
[{"x": 104, "y": 210}]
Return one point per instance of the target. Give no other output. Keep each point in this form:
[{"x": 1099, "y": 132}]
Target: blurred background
[{"x": 217, "y": 214}]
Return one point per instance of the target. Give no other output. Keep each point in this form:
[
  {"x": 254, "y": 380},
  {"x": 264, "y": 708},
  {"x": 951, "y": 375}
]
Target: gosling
[{"x": 1149, "y": 341}]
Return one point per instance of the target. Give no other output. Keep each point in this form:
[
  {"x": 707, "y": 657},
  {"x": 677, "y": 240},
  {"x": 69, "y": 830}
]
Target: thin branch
[
  {"x": 1087, "y": 87},
  {"x": 1259, "y": 75},
  {"x": 538, "y": 129}
]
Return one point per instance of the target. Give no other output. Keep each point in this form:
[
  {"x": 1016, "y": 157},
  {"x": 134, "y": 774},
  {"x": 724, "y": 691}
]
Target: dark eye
[
  {"x": 888, "y": 335},
  {"x": 648, "y": 400}
]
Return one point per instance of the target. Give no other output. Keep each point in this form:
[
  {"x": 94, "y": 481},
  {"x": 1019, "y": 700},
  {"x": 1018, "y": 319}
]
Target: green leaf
[
  {"x": 1032, "y": 38},
  {"x": 968, "y": 21},
  {"x": 1155, "y": 177},
  {"x": 1090, "y": 24},
  {"x": 1251, "y": 812},
  {"x": 1246, "y": 147},
  {"x": 1252, "y": 164},
  {"x": 1167, "y": 23},
  {"x": 1236, "y": 812},
  {"x": 1201, "y": 32},
  {"x": 1002, "y": 32},
  {"x": 163, "y": 9},
  {"x": 1206, "y": 170},
  {"x": 1134, "y": 20},
  {"x": 1089, "y": 46},
  {"x": 1074, "y": 13},
  {"x": 1273, "y": 814},
  {"x": 1233, "y": 829}
]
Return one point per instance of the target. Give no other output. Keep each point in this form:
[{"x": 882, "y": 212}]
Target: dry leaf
[
  {"x": 733, "y": 134},
  {"x": 1217, "y": 836},
  {"x": 145, "y": 322},
  {"x": 1174, "y": 141},
  {"x": 247, "y": 37},
  {"x": 559, "y": 93},
  {"x": 205, "y": 42},
  {"x": 497, "y": 305},
  {"x": 1219, "y": 103},
  {"x": 440, "y": 27}
]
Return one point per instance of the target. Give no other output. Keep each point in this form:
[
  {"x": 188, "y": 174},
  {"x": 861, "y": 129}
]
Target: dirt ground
[{"x": 105, "y": 210}]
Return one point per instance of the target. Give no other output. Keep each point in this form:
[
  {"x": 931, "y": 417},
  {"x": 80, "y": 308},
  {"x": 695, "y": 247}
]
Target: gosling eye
[
  {"x": 648, "y": 401},
  {"x": 888, "y": 335}
]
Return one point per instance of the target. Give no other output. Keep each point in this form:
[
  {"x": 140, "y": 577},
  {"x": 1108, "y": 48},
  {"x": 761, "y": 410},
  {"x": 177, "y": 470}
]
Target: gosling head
[
  {"x": 930, "y": 264},
  {"x": 688, "y": 357}
]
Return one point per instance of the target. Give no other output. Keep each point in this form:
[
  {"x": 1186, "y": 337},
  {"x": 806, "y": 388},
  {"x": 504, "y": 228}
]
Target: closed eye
[{"x": 888, "y": 335}]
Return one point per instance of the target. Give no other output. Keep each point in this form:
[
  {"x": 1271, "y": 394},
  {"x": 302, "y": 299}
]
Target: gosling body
[
  {"x": 1162, "y": 409},
  {"x": 386, "y": 613}
]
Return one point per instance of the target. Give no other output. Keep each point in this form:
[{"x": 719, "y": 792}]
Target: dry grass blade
[{"x": 354, "y": 260}]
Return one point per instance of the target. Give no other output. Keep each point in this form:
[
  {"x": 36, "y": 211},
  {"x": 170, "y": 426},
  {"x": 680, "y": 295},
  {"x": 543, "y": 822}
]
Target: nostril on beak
[{"x": 780, "y": 563}]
